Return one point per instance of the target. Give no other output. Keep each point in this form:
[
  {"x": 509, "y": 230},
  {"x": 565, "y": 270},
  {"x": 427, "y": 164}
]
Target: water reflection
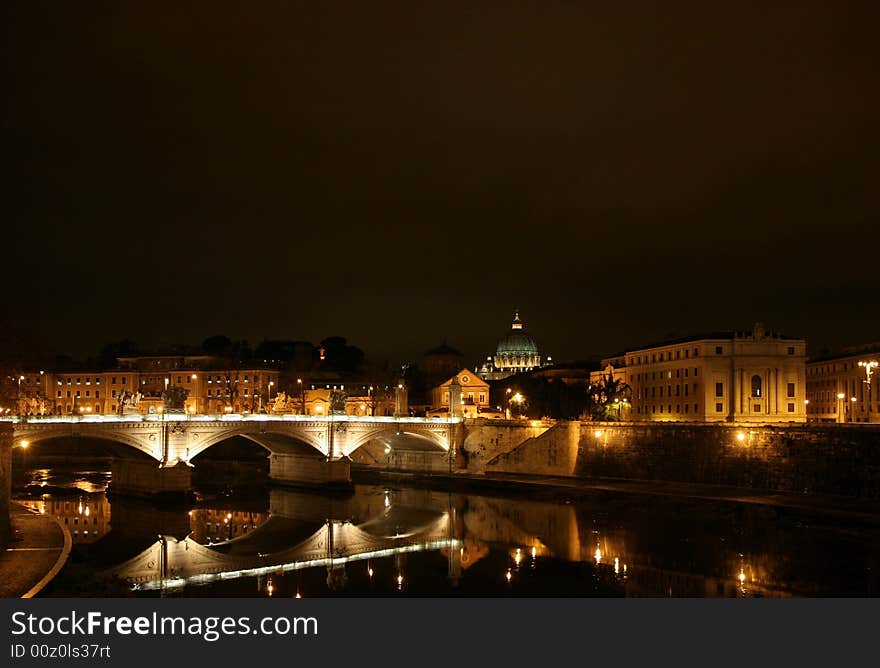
[{"x": 384, "y": 541}]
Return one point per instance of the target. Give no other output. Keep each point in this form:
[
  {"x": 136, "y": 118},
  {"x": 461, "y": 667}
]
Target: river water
[{"x": 395, "y": 540}]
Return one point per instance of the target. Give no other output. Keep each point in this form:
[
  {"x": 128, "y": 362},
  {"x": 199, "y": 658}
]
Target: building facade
[
  {"x": 474, "y": 394},
  {"x": 845, "y": 387},
  {"x": 138, "y": 384},
  {"x": 720, "y": 377}
]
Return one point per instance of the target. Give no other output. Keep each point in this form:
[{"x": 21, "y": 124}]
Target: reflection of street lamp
[{"x": 507, "y": 411}]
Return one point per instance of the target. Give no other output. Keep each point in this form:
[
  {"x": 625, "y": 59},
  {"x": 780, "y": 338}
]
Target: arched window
[{"x": 756, "y": 386}]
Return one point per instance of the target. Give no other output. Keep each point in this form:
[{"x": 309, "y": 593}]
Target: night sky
[{"x": 400, "y": 173}]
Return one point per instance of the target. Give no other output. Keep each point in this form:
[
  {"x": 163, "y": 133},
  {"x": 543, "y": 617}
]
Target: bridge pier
[
  {"x": 147, "y": 479},
  {"x": 300, "y": 469}
]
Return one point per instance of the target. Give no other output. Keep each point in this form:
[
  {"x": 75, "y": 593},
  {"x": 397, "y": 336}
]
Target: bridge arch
[
  {"x": 397, "y": 436},
  {"x": 148, "y": 441},
  {"x": 275, "y": 441}
]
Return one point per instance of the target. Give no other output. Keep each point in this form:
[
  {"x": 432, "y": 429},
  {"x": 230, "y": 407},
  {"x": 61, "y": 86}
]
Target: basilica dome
[{"x": 517, "y": 351}]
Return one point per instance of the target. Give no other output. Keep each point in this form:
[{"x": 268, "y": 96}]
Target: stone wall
[
  {"x": 308, "y": 470},
  {"x": 553, "y": 452},
  {"x": 5, "y": 480},
  {"x": 485, "y": 439},
  {"x": 142, "y": 477},
  {"x": 832, "y": 459}
]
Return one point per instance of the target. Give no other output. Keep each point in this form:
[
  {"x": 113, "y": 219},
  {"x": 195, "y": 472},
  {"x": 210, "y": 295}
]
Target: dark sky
[{"x": 403, "y": 172}]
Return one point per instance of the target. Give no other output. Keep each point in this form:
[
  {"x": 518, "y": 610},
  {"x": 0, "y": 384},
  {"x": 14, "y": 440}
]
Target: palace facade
[{"x": 719, "y": 377}]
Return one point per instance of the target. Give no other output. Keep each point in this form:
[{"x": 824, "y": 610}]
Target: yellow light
[
  {"x": 740, "y": 436},
  {"x": 194, "y": 376},
  {"x": 509, "y": 575},
  {"x": 616, "y": 565},
  {"x": 742, "y": 576},
  {"x": 598, "y": 555},
  {"x": 298, "y": 595},
  {"x": 370, "y": 572},
  {"x": 24, "y": 444},
  {"x": 399, "y": 580},
  {"x": 319, "y": 409},
  {"x": 840, "y": 395},
  {"x": 518, "y": 557},
  {"x": 598, "y": 433},
  {"x": 534, "y": 552}
]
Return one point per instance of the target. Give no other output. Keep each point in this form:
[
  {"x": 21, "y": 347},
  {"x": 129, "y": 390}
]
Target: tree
[
  {"x": 335, "y": 353},
  {"x": 174, "y": 398},
  {"x": 112, "y": 351},
  {"x": 608, "y": 397},
  {"x": 217, "y": 345}
]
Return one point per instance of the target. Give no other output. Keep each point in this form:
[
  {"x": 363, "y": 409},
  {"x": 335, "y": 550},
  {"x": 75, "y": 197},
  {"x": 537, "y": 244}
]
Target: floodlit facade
[
  {"x": 845, "y": 387},
  {"x": 741, "y": 377},
  {"x": 473, "y": 397},
  {"x": 209, "y": 389}
]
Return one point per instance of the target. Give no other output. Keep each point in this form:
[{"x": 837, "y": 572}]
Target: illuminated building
[
  {"x": 516, "y": 353},
  {"x": 838, "y": 389},
  {"x": 473, "y": 395},
  {"x": 720, "y": 377},
  {"x": 211, "y": 387}
]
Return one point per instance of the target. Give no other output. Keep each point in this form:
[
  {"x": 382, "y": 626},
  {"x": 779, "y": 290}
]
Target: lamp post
[
  {"x": 840, "y": 397},
  {"x": 302, "y": 395},
  {"x": 507, "y": 411},
  {"x": 869, "y": 366},
  {"x": 269, "y": 397},
  {"x": 20, "y": 378},
  {"x": 195, "y": 408},
  {"x": 852, "y": 409}
]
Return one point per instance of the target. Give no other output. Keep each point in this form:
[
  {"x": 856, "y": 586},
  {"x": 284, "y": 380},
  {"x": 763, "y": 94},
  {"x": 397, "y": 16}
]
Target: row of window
[
  {"x": 88, "y": 394},
  {"x": 660, "y": 375},
  {"x": 719, "y": 408}
]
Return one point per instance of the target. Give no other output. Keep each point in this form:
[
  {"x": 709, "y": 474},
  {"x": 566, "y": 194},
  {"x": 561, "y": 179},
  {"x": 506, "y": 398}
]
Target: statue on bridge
[
  {"x": 337, "y": 402},
  {"x": 281, "y": 403},
  {"x": 128, "y": 402}
]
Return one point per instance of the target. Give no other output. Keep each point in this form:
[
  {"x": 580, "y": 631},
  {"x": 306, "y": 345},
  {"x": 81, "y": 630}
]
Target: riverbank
[
  {"x": 564, "y": 488},
  {"x": 39, "y": 547}
]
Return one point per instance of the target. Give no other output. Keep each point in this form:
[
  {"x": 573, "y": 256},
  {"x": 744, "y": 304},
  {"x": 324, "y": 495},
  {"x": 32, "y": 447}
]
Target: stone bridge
[{"x": 302, "y": 448}]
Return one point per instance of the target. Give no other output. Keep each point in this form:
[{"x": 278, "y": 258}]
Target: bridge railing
[{"x": 220, "y": 417}]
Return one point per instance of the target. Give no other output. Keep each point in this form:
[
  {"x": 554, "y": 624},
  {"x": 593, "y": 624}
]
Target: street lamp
[
  {"x": 840, "y": 397},
  {"x": 302, "y": 395},
  {"x": 869, "y": 366},
  {"x": 269, "y": 397},
  {"x": 195, "y": 406},
  {"x": 20, "y": 378},
  {"x": 852, "y": 410}
]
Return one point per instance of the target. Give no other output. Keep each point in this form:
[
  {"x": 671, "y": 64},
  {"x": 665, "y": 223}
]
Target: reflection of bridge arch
[{"x": 173, "y": 563}]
